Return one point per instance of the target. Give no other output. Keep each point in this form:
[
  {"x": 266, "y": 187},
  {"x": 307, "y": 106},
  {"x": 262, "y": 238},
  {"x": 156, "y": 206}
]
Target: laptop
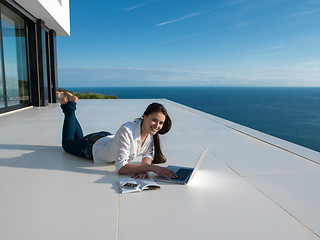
[{"x": 184, "y": 173}]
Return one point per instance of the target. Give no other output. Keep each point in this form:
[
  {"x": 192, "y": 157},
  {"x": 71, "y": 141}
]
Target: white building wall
[{"x": 55, "y": 13}]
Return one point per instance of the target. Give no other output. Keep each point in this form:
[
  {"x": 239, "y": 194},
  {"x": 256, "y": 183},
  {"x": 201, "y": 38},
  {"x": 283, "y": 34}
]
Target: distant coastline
[{"x": 290, "y": 113}]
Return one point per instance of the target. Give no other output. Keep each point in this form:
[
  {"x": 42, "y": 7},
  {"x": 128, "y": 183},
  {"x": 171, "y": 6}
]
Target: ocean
[{"x": 289, "y": 113}]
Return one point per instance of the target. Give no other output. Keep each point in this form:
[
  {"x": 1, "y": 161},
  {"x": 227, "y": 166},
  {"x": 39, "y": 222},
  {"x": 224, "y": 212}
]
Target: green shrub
[{"x": 89, "y": 95}]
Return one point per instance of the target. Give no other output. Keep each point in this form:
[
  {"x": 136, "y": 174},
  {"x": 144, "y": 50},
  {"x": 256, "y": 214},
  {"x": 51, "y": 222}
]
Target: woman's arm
[
  {"x": 131, "y": 168},
  {"x": 146, "y": 160},
  {"x": 143, "y": 175}
]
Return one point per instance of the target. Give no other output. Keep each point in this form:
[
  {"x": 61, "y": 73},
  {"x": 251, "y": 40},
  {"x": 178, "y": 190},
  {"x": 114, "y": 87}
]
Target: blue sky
[{"x": 191, "y": 43}]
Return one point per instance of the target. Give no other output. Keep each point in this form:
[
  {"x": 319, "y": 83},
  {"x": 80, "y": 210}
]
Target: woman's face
[{"x": 153, "y": 122}]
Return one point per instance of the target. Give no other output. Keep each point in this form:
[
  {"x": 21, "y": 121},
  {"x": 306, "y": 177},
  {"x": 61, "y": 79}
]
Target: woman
[{"x": 133, "y": 139}]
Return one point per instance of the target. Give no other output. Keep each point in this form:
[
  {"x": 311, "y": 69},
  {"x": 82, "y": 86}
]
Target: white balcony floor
[{"x": 249, "y": 186}]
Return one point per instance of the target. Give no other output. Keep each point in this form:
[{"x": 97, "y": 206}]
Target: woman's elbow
[{"x": 121, "y": 171}]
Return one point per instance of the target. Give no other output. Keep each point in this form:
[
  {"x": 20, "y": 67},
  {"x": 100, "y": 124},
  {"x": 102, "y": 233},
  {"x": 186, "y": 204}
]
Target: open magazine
[{"x": 129, "y": 185}]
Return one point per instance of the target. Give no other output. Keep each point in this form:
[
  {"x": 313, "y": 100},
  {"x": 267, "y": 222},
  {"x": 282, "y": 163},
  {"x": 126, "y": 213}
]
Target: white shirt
[{"x": 123, "y": 147}]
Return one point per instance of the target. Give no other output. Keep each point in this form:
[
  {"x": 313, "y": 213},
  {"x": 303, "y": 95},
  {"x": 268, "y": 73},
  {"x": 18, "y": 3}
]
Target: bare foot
[
  {"x": 62, "y": 97},
  {"x": 71, "y": 97}
]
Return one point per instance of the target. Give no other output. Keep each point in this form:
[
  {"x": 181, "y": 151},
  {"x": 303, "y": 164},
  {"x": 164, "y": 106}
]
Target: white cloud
[
  {"x": 179, "y": 19},
  {"x": 236, "y": 2},
  {"x": 183, "y": 76},
  {"x": 268, "y": 49},
  {"x": 303, "y": 13},
  {"x": 138, "y": 5}
]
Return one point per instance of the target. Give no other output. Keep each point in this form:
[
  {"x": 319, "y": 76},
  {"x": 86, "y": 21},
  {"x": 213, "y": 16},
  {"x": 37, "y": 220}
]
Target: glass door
[
  {"x": 15, "y": 72},
  {"x": 2, "y": 100}
]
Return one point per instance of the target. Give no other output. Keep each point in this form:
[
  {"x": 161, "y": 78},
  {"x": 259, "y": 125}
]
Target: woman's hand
[
  {"x": 141, "y": 175},
  {"x": 163, "y": 172}
]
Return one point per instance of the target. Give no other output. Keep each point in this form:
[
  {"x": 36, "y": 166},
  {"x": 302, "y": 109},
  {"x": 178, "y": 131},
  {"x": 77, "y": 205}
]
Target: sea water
[{"x": 290, "y": 113}]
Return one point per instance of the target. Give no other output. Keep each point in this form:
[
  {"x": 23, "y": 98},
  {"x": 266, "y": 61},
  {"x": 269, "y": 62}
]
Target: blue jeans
[{"x": 73, "y": 140}]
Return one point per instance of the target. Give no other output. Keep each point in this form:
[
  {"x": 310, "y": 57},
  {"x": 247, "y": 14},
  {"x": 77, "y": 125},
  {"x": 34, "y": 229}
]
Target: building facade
[{"x": 28, "y": 54}]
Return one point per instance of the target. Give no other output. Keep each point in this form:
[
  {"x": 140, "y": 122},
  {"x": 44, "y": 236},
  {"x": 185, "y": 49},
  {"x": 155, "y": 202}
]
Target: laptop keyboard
[{"x": 183, "y": 174}]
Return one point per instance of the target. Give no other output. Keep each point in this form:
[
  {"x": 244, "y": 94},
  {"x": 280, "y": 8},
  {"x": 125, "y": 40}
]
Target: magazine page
[
  {"x": 148, "y": 184},
  {"x": 129, "y": 185}
]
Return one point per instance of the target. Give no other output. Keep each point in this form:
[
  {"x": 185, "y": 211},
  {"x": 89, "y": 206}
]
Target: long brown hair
[{"x": 152, "y": 108}]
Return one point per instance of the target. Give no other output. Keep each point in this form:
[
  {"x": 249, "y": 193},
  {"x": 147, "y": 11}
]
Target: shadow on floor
[{"x": 53, "y": 158}]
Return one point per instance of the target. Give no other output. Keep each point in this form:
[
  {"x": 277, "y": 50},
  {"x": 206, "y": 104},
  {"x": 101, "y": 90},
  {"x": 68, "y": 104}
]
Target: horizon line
[{"x": 200, "y": 86}]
